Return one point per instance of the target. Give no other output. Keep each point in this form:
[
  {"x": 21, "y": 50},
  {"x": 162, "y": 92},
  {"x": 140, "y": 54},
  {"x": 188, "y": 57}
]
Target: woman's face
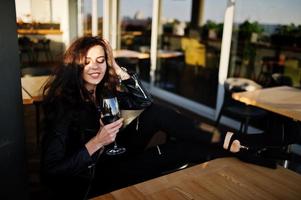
[{"x": 95, "y": 67}]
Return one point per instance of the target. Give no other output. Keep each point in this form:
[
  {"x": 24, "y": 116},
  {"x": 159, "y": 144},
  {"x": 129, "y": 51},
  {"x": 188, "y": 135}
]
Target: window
[
  {"x": 266, "y": 42},
  {"x": 135, "y": 22},
  {"x": 189, "y": 49},
  {"x": 87, "y": 16}
]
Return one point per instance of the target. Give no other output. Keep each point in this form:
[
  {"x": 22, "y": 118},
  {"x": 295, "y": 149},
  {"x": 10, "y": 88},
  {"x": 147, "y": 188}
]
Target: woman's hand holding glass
[
  {"x": 108, "y": 132},
  {"x": 106, "y": 135}
]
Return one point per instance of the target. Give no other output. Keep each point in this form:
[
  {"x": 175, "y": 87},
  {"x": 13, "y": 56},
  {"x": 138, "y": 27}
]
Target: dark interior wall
[{"x": 12, "y": 140}]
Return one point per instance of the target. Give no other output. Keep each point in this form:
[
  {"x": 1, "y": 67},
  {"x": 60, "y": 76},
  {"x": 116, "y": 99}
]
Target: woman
[{"x": 72, "y": 158}]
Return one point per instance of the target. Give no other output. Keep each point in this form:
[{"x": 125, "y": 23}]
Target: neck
[{"x": 91, "y": 89}]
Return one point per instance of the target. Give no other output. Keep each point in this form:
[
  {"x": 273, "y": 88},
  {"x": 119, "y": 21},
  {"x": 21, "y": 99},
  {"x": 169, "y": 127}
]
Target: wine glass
[{"x": 110, "y": 113}]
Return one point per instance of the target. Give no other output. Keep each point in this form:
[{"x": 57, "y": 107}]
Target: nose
[{"x": 94, "y": 65}]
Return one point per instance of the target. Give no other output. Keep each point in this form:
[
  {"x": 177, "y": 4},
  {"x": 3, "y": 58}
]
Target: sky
[
  {"x": 263, "y": 11},
  {"x": 269, "y": 11}
]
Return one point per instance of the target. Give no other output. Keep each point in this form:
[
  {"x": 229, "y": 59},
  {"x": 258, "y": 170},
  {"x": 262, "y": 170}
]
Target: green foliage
[
  {"x": 247, "y": 28},
  {"x": 291, "y": 30},
  {"x": 287, "y": 35},
  {"x": 211, "y": 25}
]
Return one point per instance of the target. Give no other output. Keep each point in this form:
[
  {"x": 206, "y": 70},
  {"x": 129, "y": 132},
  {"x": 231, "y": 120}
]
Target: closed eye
[
  {"x": 87, "y": 61},
  {"x": 100, "y": 60}
]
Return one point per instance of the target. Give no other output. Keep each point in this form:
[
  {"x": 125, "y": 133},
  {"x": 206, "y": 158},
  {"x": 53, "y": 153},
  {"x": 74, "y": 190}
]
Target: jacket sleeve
[
  {"x": 57, "y": 160},
  {"x": 134, "y": 96}
]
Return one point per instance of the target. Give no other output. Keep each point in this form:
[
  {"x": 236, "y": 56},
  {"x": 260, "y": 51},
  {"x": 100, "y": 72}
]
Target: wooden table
[
  {"x": 27, "y": 99},
  {"x": 130, "y": 54},
  {"x": 283, "y": 100},
  {"x": 39, "y": 32},
  {"x": 33, "y": 87},
  {"x": 169, "y": 54},
  {"x": 224, "y": 178},
  {"x": 135, "y": 54},
  {"x": 32, "y": 93},
  {"x": 129, "y": 115}
]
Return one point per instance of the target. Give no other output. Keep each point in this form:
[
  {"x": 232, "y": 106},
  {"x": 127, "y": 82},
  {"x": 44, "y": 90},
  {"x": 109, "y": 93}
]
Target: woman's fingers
[
  {"x": 110, "y": 52},
  {"x": 113, "y": 124},
  {"x": 111, "y": 58},
  {"x": 112, "y": 136},
  {"x": 108, "y": 132},
  {"x": 117, "y": 123},
  {"x": 101, "y": 123}
]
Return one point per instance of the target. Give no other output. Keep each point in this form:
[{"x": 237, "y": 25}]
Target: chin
[{"x": 94, "y": 82}]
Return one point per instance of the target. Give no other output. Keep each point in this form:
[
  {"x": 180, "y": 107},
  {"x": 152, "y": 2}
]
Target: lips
[{"x": 94, "y": 74}]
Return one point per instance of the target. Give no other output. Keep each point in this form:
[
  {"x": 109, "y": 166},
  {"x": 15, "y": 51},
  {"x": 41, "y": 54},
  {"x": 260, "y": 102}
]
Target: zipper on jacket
[
  {"x": 159, "y": 150},
  {"x": 137, "y": 124},
  {"x": 138, "y": 86}
]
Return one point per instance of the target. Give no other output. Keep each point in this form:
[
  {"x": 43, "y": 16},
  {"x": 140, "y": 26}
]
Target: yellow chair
[{"x": 195, "y": 52}]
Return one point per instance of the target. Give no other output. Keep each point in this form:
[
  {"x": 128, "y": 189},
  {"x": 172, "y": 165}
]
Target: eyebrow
[{"x": 96, "y": 58}]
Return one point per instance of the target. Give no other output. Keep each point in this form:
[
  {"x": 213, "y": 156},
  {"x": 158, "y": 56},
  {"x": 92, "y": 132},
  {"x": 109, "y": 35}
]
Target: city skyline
[
  {"x": 262, "y": 11},
  {"x": 265, "y": 12}
]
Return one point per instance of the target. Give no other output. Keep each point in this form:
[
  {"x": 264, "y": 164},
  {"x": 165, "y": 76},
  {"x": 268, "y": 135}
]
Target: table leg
[{"x": 37, "y": 105}]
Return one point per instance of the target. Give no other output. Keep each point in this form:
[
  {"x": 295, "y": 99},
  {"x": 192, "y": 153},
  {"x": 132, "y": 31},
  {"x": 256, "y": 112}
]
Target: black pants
[
  {"x": 185, "y": 143},
  {"x": 158, "y": 118}
]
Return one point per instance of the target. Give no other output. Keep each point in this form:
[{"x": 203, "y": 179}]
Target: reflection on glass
[
  {"x": 266, "y": 45},
  {"x": 190, "y": 44},
  {"x": 136, "y": 23},
  {"x": 87, "y": 16},
  {"x": 87, "y": 12}
]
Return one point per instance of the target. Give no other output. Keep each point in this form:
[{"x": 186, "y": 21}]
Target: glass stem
[{"x": 115, "y": 145}]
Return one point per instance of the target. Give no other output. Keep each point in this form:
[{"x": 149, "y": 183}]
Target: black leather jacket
[{"x": 65, "y": 159}]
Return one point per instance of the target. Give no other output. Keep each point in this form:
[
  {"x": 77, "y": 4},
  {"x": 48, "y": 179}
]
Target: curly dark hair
[{"x": 67, "y": 84}]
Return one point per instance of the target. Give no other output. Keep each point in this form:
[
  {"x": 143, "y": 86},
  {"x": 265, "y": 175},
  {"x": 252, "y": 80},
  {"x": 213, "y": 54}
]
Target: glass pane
[
  {"x": 189, "y": 51},
  {"x": 136, "y": 21},
  {"x": 39, "y": 33},
  {"x": 266, "y": 42},
  {"x": 87, "y": 16},
  {"x": 100, "y": 16}
]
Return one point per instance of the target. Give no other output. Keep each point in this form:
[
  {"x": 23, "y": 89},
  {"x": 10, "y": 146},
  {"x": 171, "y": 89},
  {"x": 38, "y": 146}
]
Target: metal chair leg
[
  {"x": 241, "y": 127},
  {"x": 246, "y": 125}
]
